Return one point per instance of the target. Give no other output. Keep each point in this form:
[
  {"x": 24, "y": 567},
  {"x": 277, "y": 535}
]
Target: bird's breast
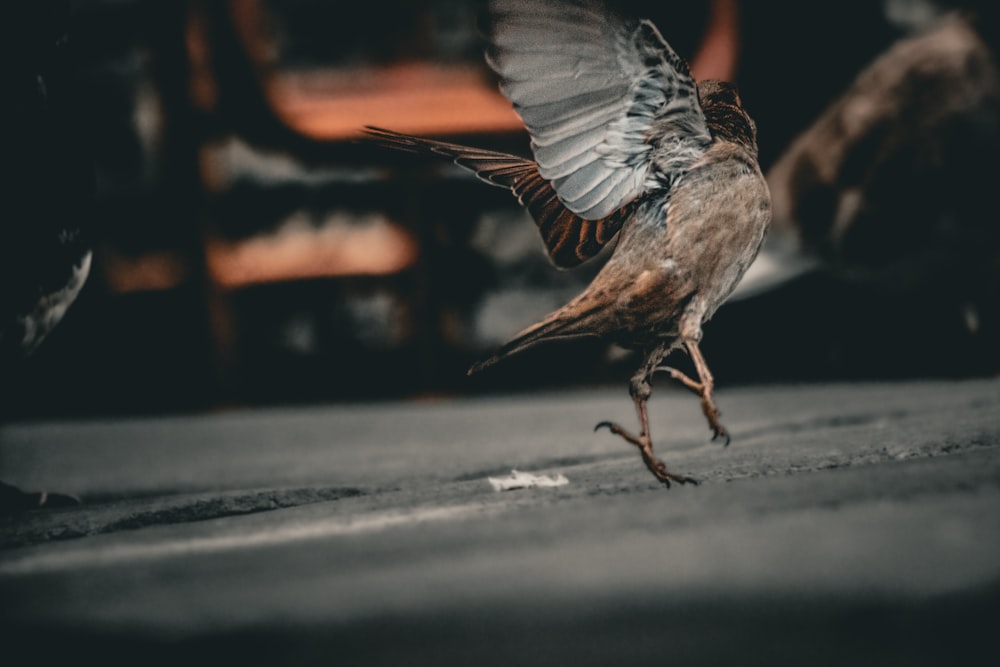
[{"x": 712, "y": 227}]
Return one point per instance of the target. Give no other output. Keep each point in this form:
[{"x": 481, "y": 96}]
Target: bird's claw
[
  {"x": 712, "y": 414},
  {"x": 641, "y": 443},
  {"x": 707, "y": 403},
  {"x": 659, "y": 470},
  {"x": 656, "y": 466}
]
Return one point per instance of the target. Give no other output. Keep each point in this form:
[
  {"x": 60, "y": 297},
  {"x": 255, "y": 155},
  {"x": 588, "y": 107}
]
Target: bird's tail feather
[{"x": 556, "y": 326}]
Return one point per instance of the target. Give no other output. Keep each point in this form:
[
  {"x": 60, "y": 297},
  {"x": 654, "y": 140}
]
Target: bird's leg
[
  {"x": 640, "y": 390},
  {"x": 707, "y": 388},
  {"x": 704, "y": 388}
]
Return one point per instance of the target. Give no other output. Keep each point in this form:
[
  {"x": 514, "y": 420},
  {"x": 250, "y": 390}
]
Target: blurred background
[{"x": 248, "y": 250}]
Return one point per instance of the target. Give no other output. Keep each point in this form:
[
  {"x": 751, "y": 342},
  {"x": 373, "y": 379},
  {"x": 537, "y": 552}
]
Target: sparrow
[{"x": 628, "y": 149}]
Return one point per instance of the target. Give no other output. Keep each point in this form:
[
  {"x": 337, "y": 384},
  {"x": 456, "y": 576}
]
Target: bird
[{"x": 627, "y": 150}]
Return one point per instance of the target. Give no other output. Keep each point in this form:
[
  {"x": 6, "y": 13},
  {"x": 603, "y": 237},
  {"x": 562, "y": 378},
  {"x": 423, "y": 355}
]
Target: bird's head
[{"x": 724, "y": 112}]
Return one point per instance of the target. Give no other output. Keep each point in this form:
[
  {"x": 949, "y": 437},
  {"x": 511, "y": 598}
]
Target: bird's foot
[
  {"x": 656, "y": 466},
  {"x": 707, "y": 402},
  {"x": 712, "y": 415}
]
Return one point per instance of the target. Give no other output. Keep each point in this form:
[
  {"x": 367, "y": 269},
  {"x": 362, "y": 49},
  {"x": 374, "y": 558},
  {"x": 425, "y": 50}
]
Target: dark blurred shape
[
  {"x": 884, "y": 208},
  {"x": 13, "y": 500},
  {"x": 47, "y": 183},
  {"x": 46, "y": 194},
  {"x": 796, "y": 57},
  {"x": 902, "y": 164}
]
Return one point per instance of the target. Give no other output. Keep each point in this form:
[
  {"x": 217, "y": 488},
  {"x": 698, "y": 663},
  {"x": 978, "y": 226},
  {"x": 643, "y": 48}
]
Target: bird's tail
[
  {"x": 570, "y": 321},
  {"x": 496, "y": 168}
]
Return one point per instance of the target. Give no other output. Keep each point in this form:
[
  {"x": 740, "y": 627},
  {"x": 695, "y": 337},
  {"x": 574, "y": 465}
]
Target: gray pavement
[{"x": 847, "y": 523}]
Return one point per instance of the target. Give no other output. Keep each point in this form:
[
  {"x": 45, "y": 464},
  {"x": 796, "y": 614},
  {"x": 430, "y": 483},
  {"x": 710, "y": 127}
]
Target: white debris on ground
[{"x": 525, "y": 480}]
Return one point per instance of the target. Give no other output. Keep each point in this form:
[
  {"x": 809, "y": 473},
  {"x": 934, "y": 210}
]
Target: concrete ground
[{"x": 846, "y": 524}]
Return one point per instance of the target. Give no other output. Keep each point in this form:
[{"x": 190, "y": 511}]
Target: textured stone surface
[{"x": 855, "y": 523}]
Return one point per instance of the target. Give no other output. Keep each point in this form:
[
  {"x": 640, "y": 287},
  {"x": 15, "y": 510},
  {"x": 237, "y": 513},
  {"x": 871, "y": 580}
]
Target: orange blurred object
[
  {"x": 299, "y": 250},
  {"x": 417, "y": 98}
]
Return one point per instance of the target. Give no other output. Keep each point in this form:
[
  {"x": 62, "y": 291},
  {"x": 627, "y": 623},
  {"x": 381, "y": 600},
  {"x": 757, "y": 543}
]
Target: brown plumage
[{"x": 625, "y": 143}]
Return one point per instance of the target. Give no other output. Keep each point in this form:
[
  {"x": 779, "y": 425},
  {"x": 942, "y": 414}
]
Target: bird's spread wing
[
  {"x": 569, "y": 238},
  {"x": 600, "y": 95}
]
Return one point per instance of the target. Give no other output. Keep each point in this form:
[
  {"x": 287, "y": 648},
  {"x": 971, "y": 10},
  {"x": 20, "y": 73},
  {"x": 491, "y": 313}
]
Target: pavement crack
[{"x": 95, "y": 519}]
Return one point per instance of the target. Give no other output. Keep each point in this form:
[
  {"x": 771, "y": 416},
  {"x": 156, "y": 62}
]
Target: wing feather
[
  {"x": 611, "y": 109},
  {"x": 569, "y": 238},
  {"x": 596, "y": 92}
]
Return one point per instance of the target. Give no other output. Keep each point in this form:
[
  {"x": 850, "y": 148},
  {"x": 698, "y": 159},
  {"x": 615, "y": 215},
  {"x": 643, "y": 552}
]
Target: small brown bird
[{"x": 627, "y": 145}]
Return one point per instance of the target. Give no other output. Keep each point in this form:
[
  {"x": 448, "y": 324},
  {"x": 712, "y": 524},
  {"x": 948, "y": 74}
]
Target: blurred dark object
[
  {"x": 249, "y": 252},
  {"x": 46, "y": 190},
  {"x": 902, "y": 164},
  {"x": 887, "y": 199},
  {"x": 47, "y": 184},
  {"x": 13, "y": 500}
]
